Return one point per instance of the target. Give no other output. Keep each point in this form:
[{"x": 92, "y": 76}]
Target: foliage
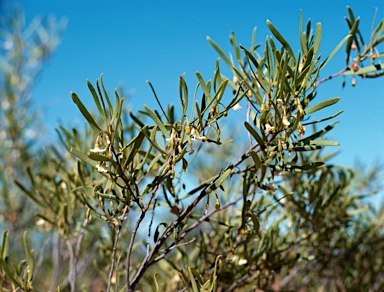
[{"x": 170, "y": 199}]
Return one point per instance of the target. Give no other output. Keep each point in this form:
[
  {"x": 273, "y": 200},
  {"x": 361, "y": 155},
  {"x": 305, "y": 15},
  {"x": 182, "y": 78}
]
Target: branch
[
  {"x": 134, "y": 232},
  {"x": 318, "y": 82}
]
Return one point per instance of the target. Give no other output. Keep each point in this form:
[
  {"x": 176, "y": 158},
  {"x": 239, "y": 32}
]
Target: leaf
[
  {"x": 221, "y": 53},
  {"x": 105, "y": 95},
  {"x": 204, "y": 86},
  {"x": 335, "y": 50},
  {"x": 317, "y": 42},
  {"x": 157, "y": 100},
  {"x": 85, "y": 113},
  {"x": 281, "y": 39},
  {"x": 325, "y": 143},
  {"x": 83, "y": 157},
  {"x": 352, "y": 32},
  {"x": 256, "y": 159},
  {"x": 312, "y": 165},
  {"x": 365, "y": 70},
  {"x": 316, "y": 135},
  {"x": 157, "y": 121},
  {"x": 98, "y": 157},
  {"x": 30, "y": 259},
  {"x": 9, "y": 272},
  {"x": 322, "y": 105},
  {"x": 30, "y": 194},
  {"x": 219, "y": 181},
  {"x": 193, "y": 281},
  {"x": 253, "y": 132},
  {"x": 157, "y": 232},
  {"x": 138, "y": 141},
  {"x": 4, "y": 246},
  {"x": 97, "y": 101},
  {"x": 183, "y": 93}
]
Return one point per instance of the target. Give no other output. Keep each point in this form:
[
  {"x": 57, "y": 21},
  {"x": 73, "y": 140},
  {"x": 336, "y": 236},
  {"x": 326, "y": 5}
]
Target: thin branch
[
  {"x": 192, "y": 227},
  {"x": 72, "y": 266},
  {"x": 80, "y": 238},
  {"x": 318, "y": 82},
  {"x": 113, "y": 257},
  {"x": 150, "y": 223},
  {"x": 134, "y": 232}
]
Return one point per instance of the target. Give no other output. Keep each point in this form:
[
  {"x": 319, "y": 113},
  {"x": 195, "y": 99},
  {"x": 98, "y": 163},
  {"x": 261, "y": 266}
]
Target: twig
[
  {"x": 150, "y": 223},
  {"x": 56, "y": 261},
  {"x": 113, "y": 257},
  {"x": 192, "y": 227},
  {"x": 134, "y": 232},
  {"x": 80, "y": 238},
  {"x": 117, "y": 266},
  {"x": 318, "y": 82},
  {"x": 72, "y": 266}
]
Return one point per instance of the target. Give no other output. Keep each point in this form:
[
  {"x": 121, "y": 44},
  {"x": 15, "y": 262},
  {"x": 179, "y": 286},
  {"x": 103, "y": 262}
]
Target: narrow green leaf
[
  {"x": 281, "y": 39},
  {"x": 97, "y": 101},
  {"x": 193, "y": 281},
  {"x": 317, "y": 42},
  {"x": 183, "y": 92},
  {"x": 352, "y": 32},
  {"x": 83, "y": 157},
  {"x": 30, "y": 194},
  {"x": 221, "y": 53},
  {"x": 4, "y": 246},
  {"x": 312, "y": 165},
  {"x": 9, "y": 273},
  {"x": 325, "y": 143},
  {"x": 256, "y": 159},
  {"x": 138, "y": 141},
  {"x": 322, "y": 105},
  {"x": 204, "y": 86},
  {"x": 318, "y": 134},
  {"x": 106, "y": 95},
  {"x": 157, "y": 121},
  {"x": 365, "y": 70},
  {"x": 85, "y": 113},
  {"x": 136, "y": 119},
  {"x": 98, "y": 157},
  {"x": 30, "y": 259},
  {"x": 158, "y": 100},
  {"x": 87, "y": 189},
  {"x": 325, "y": 119},
  {"x": 253, "y": 132},
  {"x": 335, "y": 50},
  {"x": 219, "y": 181},
  {"x": 153, "y": 140}
]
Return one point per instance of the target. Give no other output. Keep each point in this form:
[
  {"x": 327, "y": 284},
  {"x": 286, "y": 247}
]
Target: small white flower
[
  {"x": 97, "y": 149},
  {"x": 101, "y": 167},
  {"x": 237, "y": 107},
  {"x": 195, "y": 136},
  {"x": 40, "y": 222},
  {"x": 242, "y": 262},
  {"x": 286, "y": 123},
  {"x": 268, "y": 129}
]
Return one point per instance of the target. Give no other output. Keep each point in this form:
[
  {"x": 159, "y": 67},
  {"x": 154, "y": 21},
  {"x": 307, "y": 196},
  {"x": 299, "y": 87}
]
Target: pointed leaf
[
  {"x": 154, "y": 117},
  {"x": 85, "y": 113},
  {"x": 322, "y": 105},
  {"x": 253, "y": 132}
]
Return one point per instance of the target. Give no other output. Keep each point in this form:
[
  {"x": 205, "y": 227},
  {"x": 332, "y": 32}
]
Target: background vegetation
[{"x": 173, "y": 198}]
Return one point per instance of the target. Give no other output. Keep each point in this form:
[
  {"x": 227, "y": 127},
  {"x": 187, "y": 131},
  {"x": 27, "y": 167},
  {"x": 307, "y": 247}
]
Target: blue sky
[{"x": 134, "y": 41}]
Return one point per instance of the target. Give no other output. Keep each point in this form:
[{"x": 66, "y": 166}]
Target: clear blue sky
[{"x": 134, "y": 41}]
